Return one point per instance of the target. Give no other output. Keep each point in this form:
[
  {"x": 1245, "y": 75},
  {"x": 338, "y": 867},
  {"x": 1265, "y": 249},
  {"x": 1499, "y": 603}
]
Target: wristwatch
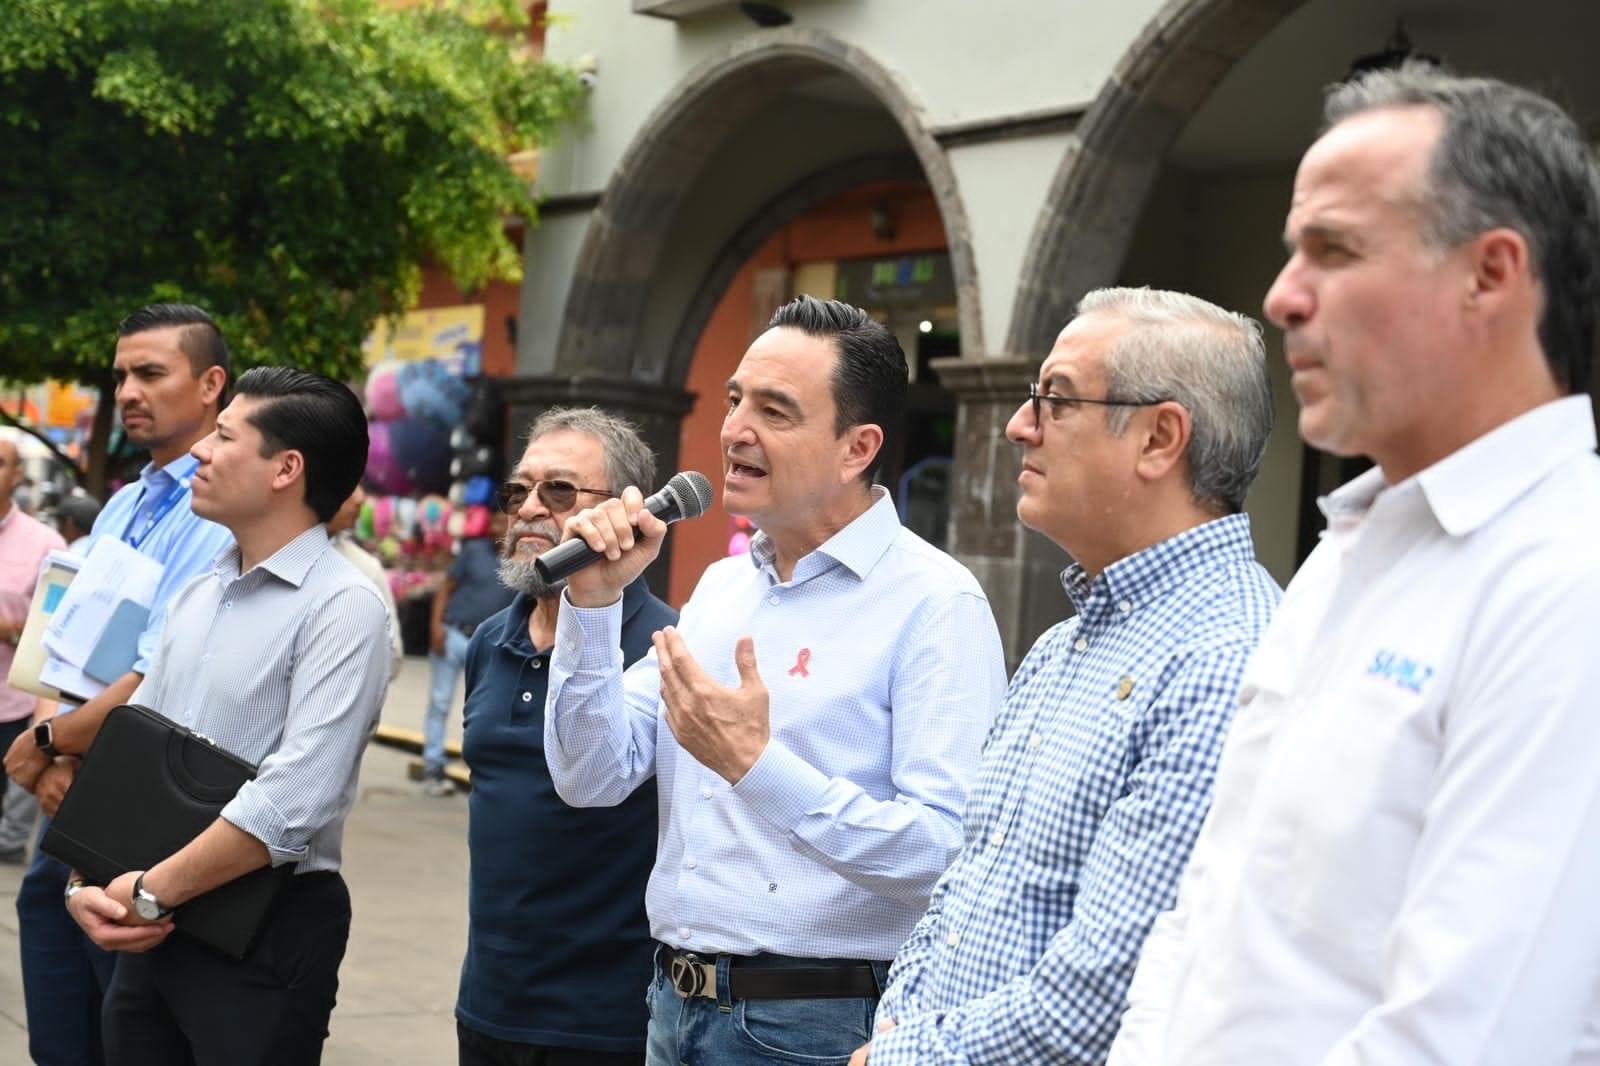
[
  {"x": 148, "y": 907},
  {"x": 44, "y": 739}
]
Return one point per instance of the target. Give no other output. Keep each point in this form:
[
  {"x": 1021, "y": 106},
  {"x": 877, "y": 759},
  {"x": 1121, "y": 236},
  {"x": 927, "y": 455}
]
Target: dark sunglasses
[{"x": 555, "y": 495}]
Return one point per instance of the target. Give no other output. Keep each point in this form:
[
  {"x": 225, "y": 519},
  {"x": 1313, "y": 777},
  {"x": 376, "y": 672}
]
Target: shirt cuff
[
  {"x": 588, "y": 638},
  {"x": 250, "y": 811},
  {"x": 782, "y": 787}
]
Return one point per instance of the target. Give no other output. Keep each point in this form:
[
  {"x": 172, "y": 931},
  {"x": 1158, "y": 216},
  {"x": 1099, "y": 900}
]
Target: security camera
[{"x": 588, "y": 68}]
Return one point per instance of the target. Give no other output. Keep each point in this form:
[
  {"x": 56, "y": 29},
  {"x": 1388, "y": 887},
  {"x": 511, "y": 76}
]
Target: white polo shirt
[{"x": 1402, "y": 861}]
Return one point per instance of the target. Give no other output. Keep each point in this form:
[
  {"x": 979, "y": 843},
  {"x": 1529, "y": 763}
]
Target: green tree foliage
[{"x": 287, "y": 164}]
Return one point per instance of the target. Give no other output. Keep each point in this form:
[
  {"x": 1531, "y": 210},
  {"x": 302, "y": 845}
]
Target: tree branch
[{"x": 11, "y": 420}]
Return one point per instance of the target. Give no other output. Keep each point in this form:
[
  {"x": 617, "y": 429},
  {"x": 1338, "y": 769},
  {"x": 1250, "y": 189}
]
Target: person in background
[
  {"x": 171, "y": 374},
  {"x": 470, "y": 592},
  {"x": 24, "y": 542},
  {"x": 345, "y": 544},
  {"x": 75, "y": 517}
]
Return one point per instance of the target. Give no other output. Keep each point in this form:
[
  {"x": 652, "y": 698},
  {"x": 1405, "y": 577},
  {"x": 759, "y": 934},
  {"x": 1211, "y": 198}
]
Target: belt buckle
[{"x": 688, "y": 975}]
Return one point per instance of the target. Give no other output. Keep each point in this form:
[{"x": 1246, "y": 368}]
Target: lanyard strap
[{"x": 169, "y": 499}]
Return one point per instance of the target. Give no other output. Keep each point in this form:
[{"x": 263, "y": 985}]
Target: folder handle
[{"x": 178, "y": 747}]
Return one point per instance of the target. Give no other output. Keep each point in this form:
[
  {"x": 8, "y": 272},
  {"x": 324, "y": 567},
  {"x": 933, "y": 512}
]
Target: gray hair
[
  {"x": 1208, "y": 360},
  {"x": 1506, "y": 157},
  {"x": 628, "y": 460}
]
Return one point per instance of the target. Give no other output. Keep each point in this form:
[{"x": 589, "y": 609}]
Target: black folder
[{"x": 146, "y": 788}]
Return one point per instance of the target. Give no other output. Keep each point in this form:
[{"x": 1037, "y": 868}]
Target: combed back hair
[
  {"x": 200, "y": 338},
  {"x": 628, "y": 459},
  {"x": 1506, "y": 157},
  {"x": 318, "y": 417},
  {"x": 1211, "y": 362},
  {"x": 870, "y": 377}
]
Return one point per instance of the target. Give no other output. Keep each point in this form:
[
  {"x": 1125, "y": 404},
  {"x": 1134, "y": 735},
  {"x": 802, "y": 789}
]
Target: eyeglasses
[
  {"x": 1037, "y": 397},
  {"x": 556, "y": 495}
]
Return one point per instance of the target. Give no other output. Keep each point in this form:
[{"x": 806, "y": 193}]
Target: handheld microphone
[{"x": 687, "y": 495}]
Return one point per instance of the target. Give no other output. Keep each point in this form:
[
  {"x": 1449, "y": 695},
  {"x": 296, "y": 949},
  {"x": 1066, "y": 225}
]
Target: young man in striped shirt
[{"x": 281, "y": 655}]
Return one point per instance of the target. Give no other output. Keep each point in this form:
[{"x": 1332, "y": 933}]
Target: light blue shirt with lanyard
[{"x": 153, "y": 516}]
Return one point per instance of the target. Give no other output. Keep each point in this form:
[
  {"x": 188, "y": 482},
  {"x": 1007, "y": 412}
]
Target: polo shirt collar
[{"x": 513, "y": 634}]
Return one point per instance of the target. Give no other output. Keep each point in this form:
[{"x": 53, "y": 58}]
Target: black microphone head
[{"x": 692, "y": 490}]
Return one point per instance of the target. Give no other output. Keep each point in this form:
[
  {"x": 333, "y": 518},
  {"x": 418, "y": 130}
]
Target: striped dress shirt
[
  {"x": 1094, "y": 784},
  {"x": 883, "y": 667},
  {"x": 285, "y": 666}
]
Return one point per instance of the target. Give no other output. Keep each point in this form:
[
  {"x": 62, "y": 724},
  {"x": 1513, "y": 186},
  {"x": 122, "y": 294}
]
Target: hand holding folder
[{"x": 146, "y": 788}]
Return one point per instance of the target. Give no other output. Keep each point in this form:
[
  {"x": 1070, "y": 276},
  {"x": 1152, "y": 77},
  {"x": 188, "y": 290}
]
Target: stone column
[
  {"x": 656, "y": 409},
  {"x": 1018, "y": 568}
]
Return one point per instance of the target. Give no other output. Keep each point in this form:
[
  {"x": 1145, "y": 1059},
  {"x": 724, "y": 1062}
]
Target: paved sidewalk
[{"x": 405, "y": 858}]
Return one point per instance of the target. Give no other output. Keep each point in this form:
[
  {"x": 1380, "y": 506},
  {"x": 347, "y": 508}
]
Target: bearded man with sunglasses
[{"x": 557, "y": 942}]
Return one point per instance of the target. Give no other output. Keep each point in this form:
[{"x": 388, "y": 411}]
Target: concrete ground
[{"x": 406, "y": 863}]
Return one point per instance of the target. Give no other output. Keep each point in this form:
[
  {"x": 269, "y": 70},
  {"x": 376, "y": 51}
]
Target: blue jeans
[
  {"x": 443, "y": 673},
  {"x": 64, "y": 975},
  {"x": 758, "y": 1032}
]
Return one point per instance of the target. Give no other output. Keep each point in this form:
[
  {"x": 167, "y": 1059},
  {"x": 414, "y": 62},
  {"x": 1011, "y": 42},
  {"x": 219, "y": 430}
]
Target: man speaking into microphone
[{"x": 814, "y": 721}]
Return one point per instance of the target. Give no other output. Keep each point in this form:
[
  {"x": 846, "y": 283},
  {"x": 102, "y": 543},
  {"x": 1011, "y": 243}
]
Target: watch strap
[{"x": 139, "y": 894}]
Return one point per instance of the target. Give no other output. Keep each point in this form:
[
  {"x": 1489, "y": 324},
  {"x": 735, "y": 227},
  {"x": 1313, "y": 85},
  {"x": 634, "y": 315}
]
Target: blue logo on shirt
[{"x": 1398, "y": 670}]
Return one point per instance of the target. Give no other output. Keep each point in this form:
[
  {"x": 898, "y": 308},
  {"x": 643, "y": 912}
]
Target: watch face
[
  {"x": 148, "y": 908},
  {"x": 41, "y": 736}
]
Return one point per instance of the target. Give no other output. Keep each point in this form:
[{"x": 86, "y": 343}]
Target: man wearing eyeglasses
[
  {"x": 557, "y": 943},
  {"x": 1139, "y": 440},
  {"x": 470, "y": 592}
]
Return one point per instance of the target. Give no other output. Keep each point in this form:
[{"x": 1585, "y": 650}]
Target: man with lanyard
[
  {"x": 171, "y": 374},
  {"x": 814, "y": 722}
]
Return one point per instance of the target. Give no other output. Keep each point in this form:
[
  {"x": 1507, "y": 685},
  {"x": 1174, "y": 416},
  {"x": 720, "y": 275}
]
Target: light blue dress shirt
[
  {"x": 884, "y": 669},
  {"x": 181, "y": 541}
]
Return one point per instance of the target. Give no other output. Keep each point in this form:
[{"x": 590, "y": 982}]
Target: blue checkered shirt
[{"x": 1094, "y": 782}]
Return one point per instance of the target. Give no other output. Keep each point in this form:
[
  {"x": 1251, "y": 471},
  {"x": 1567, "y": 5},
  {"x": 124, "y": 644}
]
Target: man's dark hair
[
  {"x": 870, "y": 378},
  {"x": 201, "y": 339},
  {"x": 1506, "y": 157},
  {"x": 318, "y": 417}
]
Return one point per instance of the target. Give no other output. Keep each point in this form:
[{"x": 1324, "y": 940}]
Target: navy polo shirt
[{"x": 558, "y": 946}]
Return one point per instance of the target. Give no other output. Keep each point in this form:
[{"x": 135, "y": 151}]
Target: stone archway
[
  {"x": 1099, "y": 192},
  {"x": 625, "y": 244}
]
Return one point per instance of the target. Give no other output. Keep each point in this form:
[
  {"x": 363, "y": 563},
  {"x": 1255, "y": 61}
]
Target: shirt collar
[
  {"x": 1473, "y": 484},
  {"x": 513, "y": 635},
  {"x": 180, "y": 469},
  {"x": 11, "y": 512},
  {"x": 290, "y": 563},
  {"x": 1146, "y": 575},
  {"x": 857, "y": 547}
]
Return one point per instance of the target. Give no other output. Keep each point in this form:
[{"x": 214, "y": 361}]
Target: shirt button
[
  {"x": 773, "y": 599},
  {"x": 1125, "y": 607},
  {"x": 683, "y": 935},
  {"x": 705, "y": 793},
  {"x": 538, "y": 664},
  {"x": 227, "y": 603},
  {"x": 527, "y": 697},
  {"x": 690, "y": 863},
  {"x": 1082, "y": 645},
  {"x": 997, "y": 838},
  {"x": 953, "y": 939},
  {"x": 1034, "y": 741}
]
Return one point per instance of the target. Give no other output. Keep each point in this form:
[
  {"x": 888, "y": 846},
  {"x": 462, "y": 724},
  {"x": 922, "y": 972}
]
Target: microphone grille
[{"x": 693, "y": 491}]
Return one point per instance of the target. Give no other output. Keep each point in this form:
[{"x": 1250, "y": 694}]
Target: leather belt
[{"x": 693, "y": 975}]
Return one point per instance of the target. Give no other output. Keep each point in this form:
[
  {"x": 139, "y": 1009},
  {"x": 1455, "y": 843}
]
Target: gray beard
[{"x": 518, "y": 574}]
